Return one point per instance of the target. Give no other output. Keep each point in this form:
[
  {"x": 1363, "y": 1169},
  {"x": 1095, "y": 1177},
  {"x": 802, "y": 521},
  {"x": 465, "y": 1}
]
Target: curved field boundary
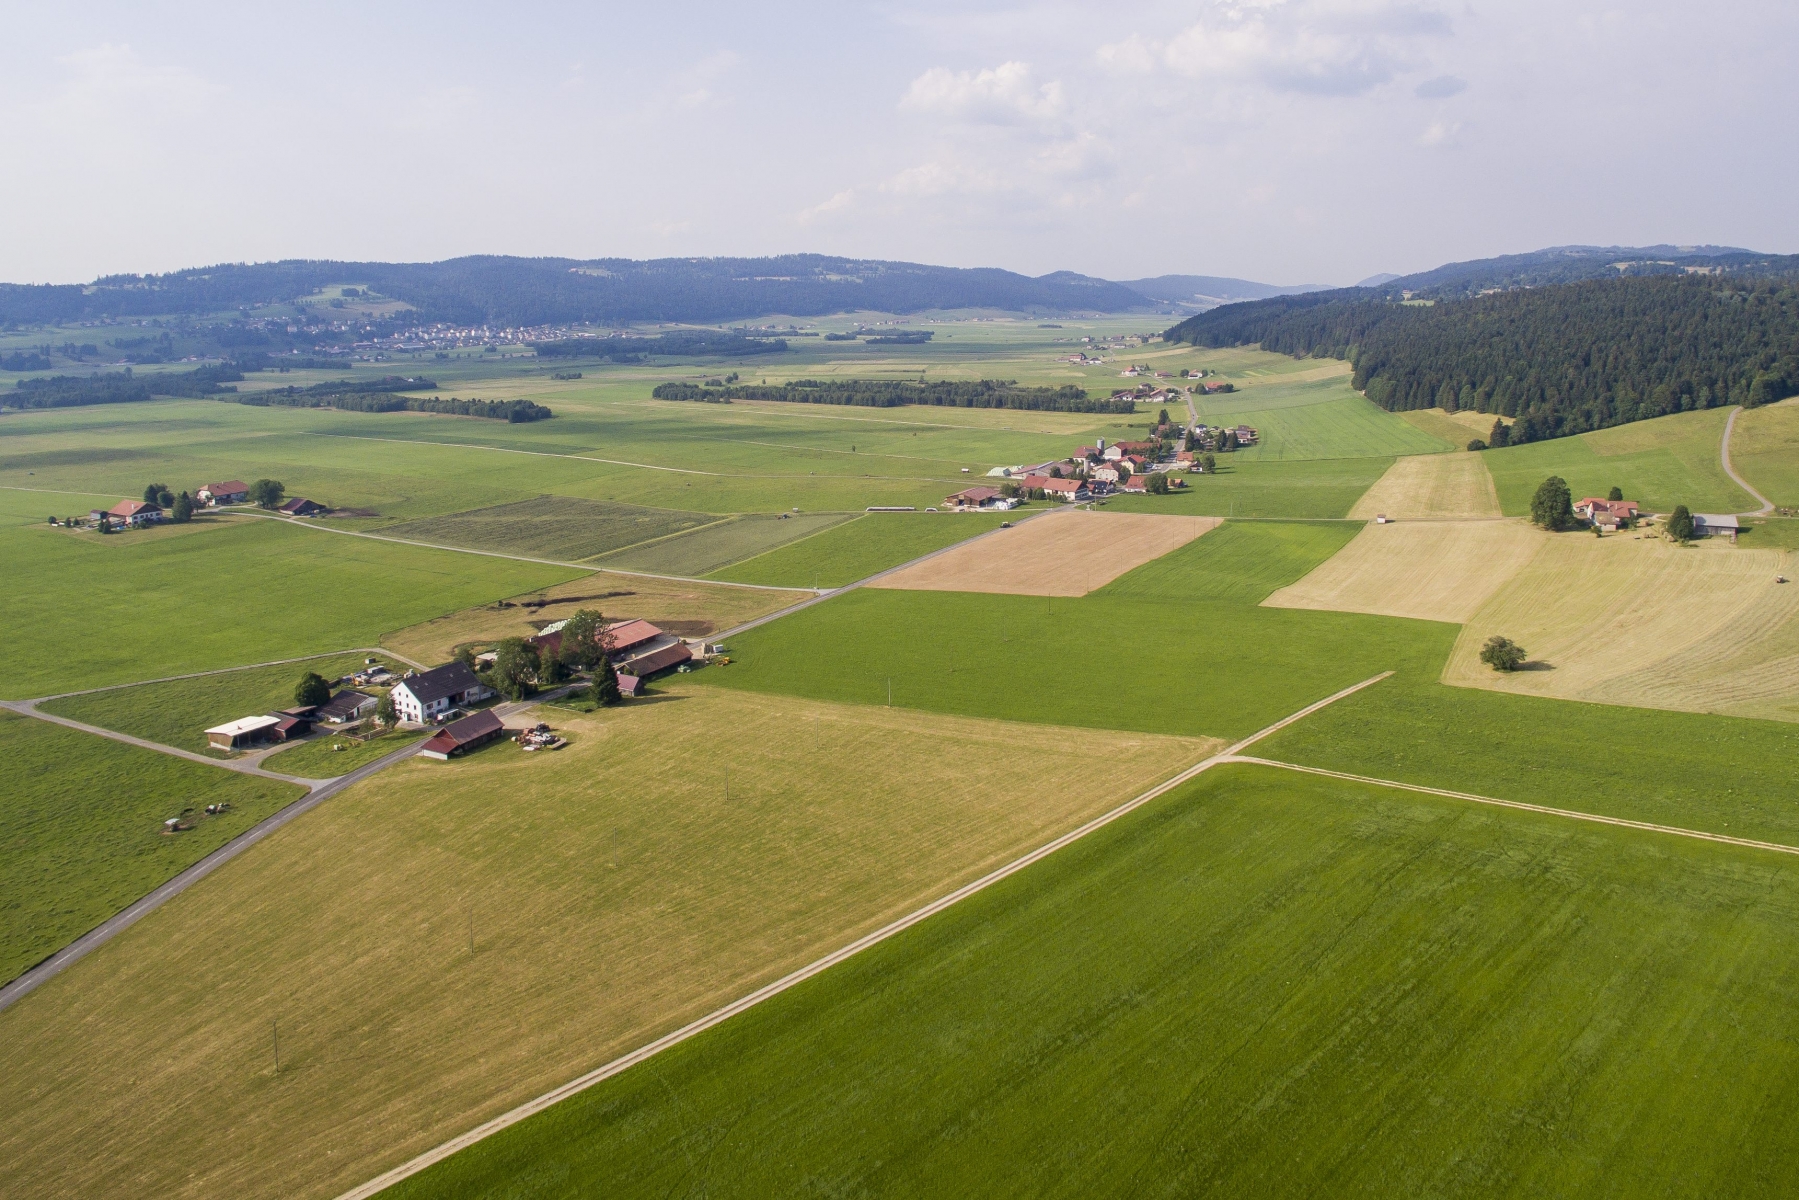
[
  {"x": 718, "y": 1016},
  {"x": 1730, "y": 424}
]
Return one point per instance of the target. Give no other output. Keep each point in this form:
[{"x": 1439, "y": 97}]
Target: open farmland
[
  {"x": 869, "y": 544},
  {"x": 1261, "y": 984},
  {"x": 1457, "y": 428},
  {"x": 179, "y": 712},
  {"x": 321, "y": 758},
  {"x": 193, "y": 597},
  {"x": 1659, "y": 463},
  {"x": 719, "y": 545},
  {"x": 1765, "y": 450},
  {"x": 1224, "y": 666},
  {"x": 687, "y": 607},
  {"x": 614, "y": 889},
  {"x": 80, "y": 820},
  {"x": 1641, "y": 621},
  {"x": 1305, "y": 490},
  {"x": 555, "y": 527},
  {"x": 1056, "y": 554},
  {"x": 1434, "y": 486},
  {"x": 1431, "y": 570}
]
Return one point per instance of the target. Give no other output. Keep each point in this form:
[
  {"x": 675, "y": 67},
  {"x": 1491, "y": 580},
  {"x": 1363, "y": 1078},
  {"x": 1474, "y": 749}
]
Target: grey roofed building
[
  {"x": 1706, "y": 524},
  {"x": 347, "y": 705}
]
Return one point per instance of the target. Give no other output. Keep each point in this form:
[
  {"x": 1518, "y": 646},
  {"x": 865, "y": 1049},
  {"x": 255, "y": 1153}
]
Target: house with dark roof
[
  {"x": 424, "y": 696},
  {"x": 299, "y": 506},
  {"x": 972, "y": 497},
  {"x": 460, "y": 736},
  {"x": 346, "y": 706},
  {"x": 232, "y": 491}
]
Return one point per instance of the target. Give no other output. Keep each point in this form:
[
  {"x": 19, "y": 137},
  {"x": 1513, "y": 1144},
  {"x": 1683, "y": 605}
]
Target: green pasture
[
  {"x": 1724, "y": 775},
  {"x": 559, "y": 527},
  {"x": 1765, "y": 450},
  {"x": 1659, "y": 463},
  {"x": 81, "y": 825},
  {"x": 1321, "y": 418},
  {"x": 1177, "y": 646},
  {"x": 721, "y": 544},
  {"x": 869, "y": 544},
  {"x": 315, "y": 759},
  {"x": 153, "y": 603},
  {"x": 1261, "y": 984},
  {"x": 179, "y": 712},
  {"x": 1246, "y": 487}
]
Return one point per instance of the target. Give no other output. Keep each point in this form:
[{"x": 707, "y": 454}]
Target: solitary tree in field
[
  {"x": 1502, "y": 654},
  {"x": 268, "y": 493},
  {"x": 1553, "y": 506},
  {"x": 1477, "y": 444},
  {"x": 313, "y": 689},
  {"x": 1615, "y": 494},
  {"x": 1680, "y": 524},
  {"x": 183, "y": 510}
]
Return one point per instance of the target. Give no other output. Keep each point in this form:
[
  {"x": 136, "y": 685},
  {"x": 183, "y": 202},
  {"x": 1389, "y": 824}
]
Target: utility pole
[
  {"x": 275, "y": 1027},
  {"x": 890, "y": 691}
]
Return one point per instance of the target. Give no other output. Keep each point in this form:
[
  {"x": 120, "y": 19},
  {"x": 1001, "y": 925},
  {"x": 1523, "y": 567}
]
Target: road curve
[{"x": 1730, "y": 424}]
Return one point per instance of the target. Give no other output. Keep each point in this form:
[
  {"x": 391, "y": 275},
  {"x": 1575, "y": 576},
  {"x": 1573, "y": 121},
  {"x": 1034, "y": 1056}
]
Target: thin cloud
[{"x": 1003, "y": 95}]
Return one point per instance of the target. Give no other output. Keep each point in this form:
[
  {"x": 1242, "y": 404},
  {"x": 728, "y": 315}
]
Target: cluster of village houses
[
  {"x": 438, "y": 697},
  {"x": 135, "y": 514}
]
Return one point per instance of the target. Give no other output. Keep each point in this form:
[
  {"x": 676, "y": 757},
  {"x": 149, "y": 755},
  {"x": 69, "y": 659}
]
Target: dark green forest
[
  {"x": 891, "y": 393},
  {"x": 1562, "y": 359},
  {"x": 119, "y": 387}
]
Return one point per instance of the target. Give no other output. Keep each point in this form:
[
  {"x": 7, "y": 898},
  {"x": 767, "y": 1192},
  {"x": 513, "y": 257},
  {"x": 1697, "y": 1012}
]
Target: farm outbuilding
[
  {"x": 346, "y": 706},
  {"x": 246, "y": 731},
  {"x": 1715, "y": 524},
  {"x": 232, "y": 491},
  {"x": 459, "y": 736}
]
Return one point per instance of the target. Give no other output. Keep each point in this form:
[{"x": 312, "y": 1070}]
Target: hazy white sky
[{"x": 1281, "y": 140}]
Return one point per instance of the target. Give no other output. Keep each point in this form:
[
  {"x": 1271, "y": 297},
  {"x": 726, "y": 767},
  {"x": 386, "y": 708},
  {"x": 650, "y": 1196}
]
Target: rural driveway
[{"x": 1730, "y": 424}]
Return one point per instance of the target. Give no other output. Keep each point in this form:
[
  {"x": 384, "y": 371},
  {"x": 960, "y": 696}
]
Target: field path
[
  {"x": 278, "y": 662},
  {"x": 718, "y": 1016},
  {"x": 1730, "y": 424},
  {"x": 1570, "y": 814}
]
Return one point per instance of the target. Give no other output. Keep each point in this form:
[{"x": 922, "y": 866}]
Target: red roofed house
[
  {"x": 136, "y": 512},
  {"x": 641, "y": 649},
  {"x": 232, "y": 491},
  {"x": 972, "y": 497},
  {"x": 458, "y": 736},
  {"x": 1607, "y": 513},
  {"x": 1136, "y": 483},
  {"x": 1072, "y": 491},
  {"x": 299, "y": 506}
]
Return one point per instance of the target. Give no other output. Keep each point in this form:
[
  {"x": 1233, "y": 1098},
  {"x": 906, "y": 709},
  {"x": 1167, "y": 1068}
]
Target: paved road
[
  {"x": 1730, "y": 424},
  {"x": 249, "y": 765},
  {"x": 718, "y": 1016}
]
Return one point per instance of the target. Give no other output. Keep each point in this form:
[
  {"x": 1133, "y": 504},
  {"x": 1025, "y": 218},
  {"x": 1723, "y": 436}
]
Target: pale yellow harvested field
[
  {"x": 1455, "y": 486},
  {"x": 616, "y": 893},
  {"x": 1458, "y": 428},
  {"x": 1643, "y": 622},
  {"x": 1431, "y": 570},
  {"x": 1057, "y": 554}
]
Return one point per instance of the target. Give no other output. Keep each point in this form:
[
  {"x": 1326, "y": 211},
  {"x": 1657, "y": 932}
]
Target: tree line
[
  {"x": 1562, "y": 360},
  {"x": 682, "y": 342},
  {"x": 891, "y": 393},
  {"x": 514, "y": 411},
  {"x": 120, "y": 387}
]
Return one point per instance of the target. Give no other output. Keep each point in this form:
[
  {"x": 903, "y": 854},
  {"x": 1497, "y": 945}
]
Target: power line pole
[{"x": 275, "y": 1028}]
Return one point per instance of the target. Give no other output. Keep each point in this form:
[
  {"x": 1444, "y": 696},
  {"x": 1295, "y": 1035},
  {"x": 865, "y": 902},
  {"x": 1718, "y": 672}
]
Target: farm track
[
  {"x": 744, "y": 1003},
  {"x": 1730, "y": 424}
]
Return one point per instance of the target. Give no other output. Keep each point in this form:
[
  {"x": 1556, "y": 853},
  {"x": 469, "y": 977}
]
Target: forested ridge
[
  {"x": 891, "y": 393},
  {"x": 1562, "y": 359}
]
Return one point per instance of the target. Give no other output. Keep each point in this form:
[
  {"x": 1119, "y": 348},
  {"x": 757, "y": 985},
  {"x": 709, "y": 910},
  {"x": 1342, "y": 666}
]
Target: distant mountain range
[{"x": 1210, "y": 291}]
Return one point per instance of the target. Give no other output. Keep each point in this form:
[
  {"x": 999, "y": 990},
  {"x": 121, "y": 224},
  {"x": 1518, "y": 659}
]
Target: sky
[{"x": 1286, "y": 141}]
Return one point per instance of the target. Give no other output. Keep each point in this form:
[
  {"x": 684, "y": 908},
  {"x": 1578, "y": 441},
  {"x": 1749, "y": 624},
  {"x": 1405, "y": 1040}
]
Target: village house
[
  {"x": 135, "y": 513},
  {"x": 424, "y": 696},
  {"x": 345, "y": 707},
  {"x": 1606, "y": 514},
  {"x": 232, "y": 491},
  {"x": 1072, "y": 491},
  {"x": 642, "y": 649},
  {"x": 970, "y": 499}
]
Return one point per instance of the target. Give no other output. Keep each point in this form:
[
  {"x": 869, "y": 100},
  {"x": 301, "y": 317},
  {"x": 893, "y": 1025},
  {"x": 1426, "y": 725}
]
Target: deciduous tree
[
  {"x": 313, "y": 689},
  {"x": 1680, "y": 524},
  {"x": 1502, "y": 654},
  {"x": 1552, "y": 507}
]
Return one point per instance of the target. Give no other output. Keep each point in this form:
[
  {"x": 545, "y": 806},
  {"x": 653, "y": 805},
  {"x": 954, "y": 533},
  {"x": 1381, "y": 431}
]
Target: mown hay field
[
  {"x": 1056, "y": 554},
  {"x": 1261, "y": 984},
  {"x": 1430, "y": 570},
  {"x": 713, "y": 547},
  {"x": 869, "y": 544},
  {"x": 81, "y": 822},
  {"x": 1658, "y": 463},
  {"x": 1641, "y": 621},
  {"x": 614, "y": 890},
  {"x": 690, "y": 608},
  {"x": 1765, "y": 450},
  {"x": 557, "y": 527},
  {"x": 126, "y": 607},
  {"x": 1457, "y": 428},
  {"x": 1432, "y": 486}
]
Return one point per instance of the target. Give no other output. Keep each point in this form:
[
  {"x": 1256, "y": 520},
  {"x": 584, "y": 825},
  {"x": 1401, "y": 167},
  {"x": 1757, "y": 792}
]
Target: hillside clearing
[
  {"x": 1431, "y": 570},
  {"x": 1432, "y": 486},
  {"x": 1057, "y": 554},
  {"x": 1457, "y": 428},
  {"x": 1765, "y": 450},
  {"x": 613, "y": 891},
  {"x": 1623, "y": 620},
  {"x": 1658, "y": 463}
]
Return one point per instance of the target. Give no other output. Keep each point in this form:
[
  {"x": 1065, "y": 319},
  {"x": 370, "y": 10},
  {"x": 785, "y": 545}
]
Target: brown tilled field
[
  {"x": 1056, "y": 554},
  {"x": 1641, "y": 621},
  {"x": 1455, "y": 486},
  {"x": 1432, "y": 570}
]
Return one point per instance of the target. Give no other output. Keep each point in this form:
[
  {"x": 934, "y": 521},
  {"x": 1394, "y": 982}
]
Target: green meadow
[
  {"x": 1659, "y": 463},
  {"x": 1261, "y": 984},
  {"x": 179, "y": 712},
  {"x": 869, "y": 544},
  {"x": 81, "y": 825},
  {"x": 720, "y": 544},
  {"x": 221, "y": 593},
  {"x": 1177, "y": 646},
  {"x": 319, "y": 759}
]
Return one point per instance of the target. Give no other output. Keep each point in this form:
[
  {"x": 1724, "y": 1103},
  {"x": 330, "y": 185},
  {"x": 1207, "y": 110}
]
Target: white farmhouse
[{"x": 424, "y": 697}]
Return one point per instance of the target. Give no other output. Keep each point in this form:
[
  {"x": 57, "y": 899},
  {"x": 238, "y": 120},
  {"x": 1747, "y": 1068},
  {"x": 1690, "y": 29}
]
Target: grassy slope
[
  {"x": 1659, "y": 463},
  {"x": 80, "y": 835},
  {"x": 869, "y": 544},
  {"x": 616, "y": 890},
  {"x": 1154, "y": 651},
  {"x": 1765, "y": 450},
  {"x": 178, "y": 713},
  {"x": 1315, "y": 489},
  {"x": 1263, "y": 985},
  {"x": 148, "y": 604}
]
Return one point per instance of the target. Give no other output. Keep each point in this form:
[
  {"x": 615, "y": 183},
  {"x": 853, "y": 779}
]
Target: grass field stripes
[
  {"x": 278, "y": 662},
  {"x": 718, "y": 1016},
  {"x": 555, "y": 527},
  {"x": 1570, "y": 814},
  {"x": 714, "y": 547}
]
